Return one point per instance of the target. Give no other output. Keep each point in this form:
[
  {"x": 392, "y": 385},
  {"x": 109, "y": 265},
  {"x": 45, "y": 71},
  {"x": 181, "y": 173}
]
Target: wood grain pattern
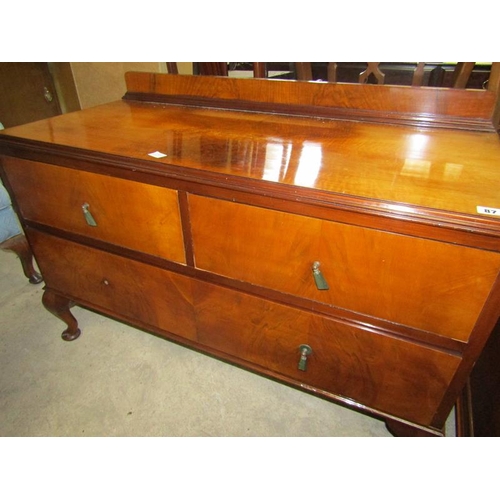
[
  {"x": 133, "y": 215},
  {"x": 212, "y": 244},
  {"x": 376, "y": 371},
  {"x": 335, "y": 161},
  {"x": 368, "y": 271},
  {"x": 118, "y": 285},
  {"x": 379, "y": 103}
]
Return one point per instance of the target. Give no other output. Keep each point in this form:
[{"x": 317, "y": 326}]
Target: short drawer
[
  {"x": 381, "y": 372},
  {"x": 117, "y": 285},
  {"x": 130, "y": 214},
  {"x": 429, "y": 285}
]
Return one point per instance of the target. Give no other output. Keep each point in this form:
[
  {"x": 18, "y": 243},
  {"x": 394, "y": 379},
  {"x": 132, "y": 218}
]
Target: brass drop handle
[
  {"x": 88, "y": 216},
  {"x": 305, "y": 351},
  {"x": 319, "y": 279}
]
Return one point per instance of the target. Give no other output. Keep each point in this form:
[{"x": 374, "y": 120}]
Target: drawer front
[
  {"x": 429, "y": 285},
  {"x": 383, "y": 373},
  {"x": 130, "y": 214},
  {"x": 137, "y": 291}
]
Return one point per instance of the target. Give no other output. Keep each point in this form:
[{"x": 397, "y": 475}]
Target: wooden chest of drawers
[{"x": 344, "y": 258}]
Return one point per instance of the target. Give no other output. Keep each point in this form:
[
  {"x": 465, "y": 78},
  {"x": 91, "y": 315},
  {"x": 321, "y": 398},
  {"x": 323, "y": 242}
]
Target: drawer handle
[
  {"x": 88, "y": 216},
  {"x": 305, "y": 351},
  {"x": 319, "y": 279}
]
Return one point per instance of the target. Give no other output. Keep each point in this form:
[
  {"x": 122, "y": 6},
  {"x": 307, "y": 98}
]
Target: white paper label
[
  {"x": 488, "y": 211},
  {"x": 157, "y": 154}
]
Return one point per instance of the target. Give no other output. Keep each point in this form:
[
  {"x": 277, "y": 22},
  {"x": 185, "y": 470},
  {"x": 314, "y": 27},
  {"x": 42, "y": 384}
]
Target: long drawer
[
  {"x": 429, "y": 285},
  {"x": 126, "y": 213},
  {"x": 133, "y": 290},
  {"x": 378, "y": 371}
]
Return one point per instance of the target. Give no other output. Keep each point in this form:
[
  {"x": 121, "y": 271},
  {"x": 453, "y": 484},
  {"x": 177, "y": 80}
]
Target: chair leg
[{"x": 19, "y": 245}]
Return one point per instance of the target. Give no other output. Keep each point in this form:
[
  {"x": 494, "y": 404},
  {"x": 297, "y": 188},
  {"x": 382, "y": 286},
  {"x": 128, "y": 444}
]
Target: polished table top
[{"x": 404, "y": 167}]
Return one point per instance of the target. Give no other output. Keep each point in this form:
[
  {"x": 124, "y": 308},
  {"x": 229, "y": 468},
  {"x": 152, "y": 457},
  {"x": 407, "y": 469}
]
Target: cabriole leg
[
  {"x": 19, "y": 245},
  {"x": 60, "y": 307}
]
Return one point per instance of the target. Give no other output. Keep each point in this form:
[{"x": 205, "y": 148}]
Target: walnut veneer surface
[{"x": 213, "y": 244}]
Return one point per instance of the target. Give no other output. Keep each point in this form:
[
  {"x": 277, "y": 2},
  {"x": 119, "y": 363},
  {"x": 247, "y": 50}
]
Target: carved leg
[
  {"x": 59, "y": 306},
  {"x": 399, "y": 429},
  {"x": 19, "y": 245}
]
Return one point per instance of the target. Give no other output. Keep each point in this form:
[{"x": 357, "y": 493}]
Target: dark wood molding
[
  {"x": 398, "y": 105},
  {"x": 334, "y": 113},
  {"x": 473, "y": 230},
  {"x": 362, "y": 321}
]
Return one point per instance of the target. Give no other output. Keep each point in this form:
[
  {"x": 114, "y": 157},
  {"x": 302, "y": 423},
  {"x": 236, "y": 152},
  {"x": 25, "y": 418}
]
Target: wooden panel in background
[{"x": 27, "y": 93}]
